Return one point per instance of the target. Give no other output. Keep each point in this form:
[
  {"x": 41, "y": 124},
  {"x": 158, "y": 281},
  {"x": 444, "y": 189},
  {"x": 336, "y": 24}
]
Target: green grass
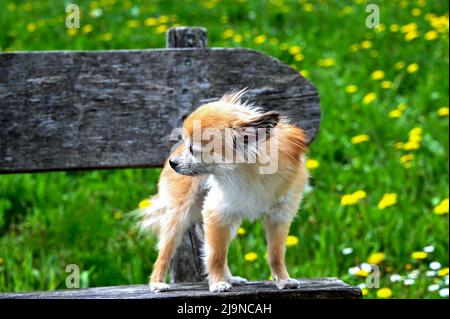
[{"x": 50, "y": 220}]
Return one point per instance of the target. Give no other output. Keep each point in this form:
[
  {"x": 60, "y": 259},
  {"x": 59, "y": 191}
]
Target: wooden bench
[{"x": 67, "y": 110}]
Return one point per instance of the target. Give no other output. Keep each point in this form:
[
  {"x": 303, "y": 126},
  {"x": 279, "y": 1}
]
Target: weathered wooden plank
[
  {"x": 187, "y": 264},
  {"x": 310, "y": 289},
  {"x": 104, "y": 109}
]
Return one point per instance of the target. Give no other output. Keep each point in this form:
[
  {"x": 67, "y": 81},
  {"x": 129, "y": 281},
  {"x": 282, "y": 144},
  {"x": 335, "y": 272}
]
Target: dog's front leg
[
  {"x": 276, "y": 233},
  {"x": 217, "y": 239}
]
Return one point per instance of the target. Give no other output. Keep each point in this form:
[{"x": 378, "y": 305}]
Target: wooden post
[{"x": 187, "y": 265}]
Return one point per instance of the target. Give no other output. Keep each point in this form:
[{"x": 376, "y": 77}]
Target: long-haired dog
[{"x": 224, "y": 184}]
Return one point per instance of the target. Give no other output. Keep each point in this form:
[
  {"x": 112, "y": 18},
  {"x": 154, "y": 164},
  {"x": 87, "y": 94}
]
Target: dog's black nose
[{"x": 173, "y": 164}]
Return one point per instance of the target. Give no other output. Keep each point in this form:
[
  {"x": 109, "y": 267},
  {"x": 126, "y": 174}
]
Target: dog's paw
[
  {"x": 159, "y": 286},
  {"x": 220, "y": 286},
  {"x": 288, "y": 284},
  {"x": 236, "y": 280}
]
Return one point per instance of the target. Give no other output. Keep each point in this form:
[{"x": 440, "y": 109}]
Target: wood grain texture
[
  {"x": 187, "y": 264},
  {"x": 110, "y": 109},
  {"x": 321, "y": 288}
]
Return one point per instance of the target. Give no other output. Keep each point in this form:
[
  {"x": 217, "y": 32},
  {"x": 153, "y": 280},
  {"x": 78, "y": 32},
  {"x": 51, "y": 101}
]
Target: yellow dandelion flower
[
  {"x": 251, "y": 257},
  {"x": 362, "y": 273},
  {"x": 366, "y": 44},
  {"x": 394, "y": 28},
  {"x": 72, "y": 32},
  {"x": 411, "y": 146},
  {"x": 384, "y": 293},
  {"x": 377, "y": 75},
  {"x": 417, "y": 131},
  {"x": 419, "y": 255},
  {"x": 443, "y": 111},
  {"x": 228, "y": 33},
  {"x": 106, "y": 37},
  {"x": 274, "y": 41},
  {"x": 238, "y": 38},
  {"x": 144, "y": 203},
  {"x": 360, "y": 138},
  {"x": 369, "y": 98},
  {"x": 31, "y": 27},
  {"x": 87, "y": 28},
  {"x": 410, "y": 27},
  {"x": 133, "y": 24},
  {"x": 304, "y": 73},
  {"x": 443, "y": 272},
  {"x": 376, "y": 258},
  {"x": 351, "y": 89},
  {"x": 163, "y": 19},
  {"x": 347, "y": 10},
  {"x": 224, "y": 19},
  {"x": 386, "y": 85},
  {"x": 401, "y": 106},
  {"x": 412, "y": 68},
  {"x": 399, "y": 145},
  {"x": 388, "y": 200},
  {"x": 312, "y": 164},
  {"x": 308, "y": 7},
  {"x": 349, "y": 200},
  {"x": 395, "y": 114},
  {"x": 161, "y": 28},
  {"x": 151, "y": 22},
  {"x": 326, "y": 63},
  {"x": 260, "y": 39},
  {"x": 291, "y": 240},
  {"x": 299, "y": 57},
  {"x": 400, "y": 65},
  {"x": 364, "y": 291},
  {"x": 431, "y": 35},
  {"x": 360, "y": 194},
  {"x": 355, "y": 47},
  {"x": 241, "y": 231},
  {"x": 411, "y": 36},
  {"x": 295, "y": 49},
  {"x": 442, "y": 208},
  {"x": 406, "y": 158},
  {"x": 117, "y": 215},
  {"x": 416, "y": 12}
]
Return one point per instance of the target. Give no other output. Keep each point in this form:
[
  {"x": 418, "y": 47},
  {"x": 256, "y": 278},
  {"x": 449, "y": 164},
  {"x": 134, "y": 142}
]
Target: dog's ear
[{"x": 266, "y": 120}]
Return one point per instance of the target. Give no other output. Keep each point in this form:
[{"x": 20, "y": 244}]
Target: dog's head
[{"x": 220, "y": 135}]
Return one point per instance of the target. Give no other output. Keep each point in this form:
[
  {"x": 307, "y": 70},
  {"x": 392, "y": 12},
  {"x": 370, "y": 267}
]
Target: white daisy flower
[
  {"x": 366, "y": 267},
  {"x": 428, "y": 249},
  {"x": 353, "y": 270},
  {"x": 443, "y": 292},
  {"x": 435, "y": 265},
  {"x": 347, "y": 251},
  {"x": 409, "y": 282},
  {"x": 433, "y": 287},
  {"x": 431, "y": 273},
  {"x": 396, "y": 278},
  {"x": 362, "y": 286}
]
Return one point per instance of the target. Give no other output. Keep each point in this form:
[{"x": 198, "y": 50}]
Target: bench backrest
[{"x": 107, "y": 109}]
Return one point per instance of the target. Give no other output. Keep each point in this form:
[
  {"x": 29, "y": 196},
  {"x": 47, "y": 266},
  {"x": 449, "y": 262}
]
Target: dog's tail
[{"x": 150, "y": 216}]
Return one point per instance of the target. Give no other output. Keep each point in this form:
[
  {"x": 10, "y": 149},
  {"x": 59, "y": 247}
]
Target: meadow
[{"x": 379, "y": 188}]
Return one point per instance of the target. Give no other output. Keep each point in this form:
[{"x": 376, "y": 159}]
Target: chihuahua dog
[{"x": 223, "y": 184}]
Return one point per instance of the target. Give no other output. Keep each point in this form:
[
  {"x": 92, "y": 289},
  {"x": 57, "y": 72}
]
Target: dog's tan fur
[{"x": 183, "y": 200}]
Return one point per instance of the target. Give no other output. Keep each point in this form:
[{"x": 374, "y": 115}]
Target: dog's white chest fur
[{"x": 238, "y": 196}]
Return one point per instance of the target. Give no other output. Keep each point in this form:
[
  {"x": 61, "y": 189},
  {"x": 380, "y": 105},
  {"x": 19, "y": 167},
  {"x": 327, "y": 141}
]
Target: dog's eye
[{"x": 191, "y": 150}]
